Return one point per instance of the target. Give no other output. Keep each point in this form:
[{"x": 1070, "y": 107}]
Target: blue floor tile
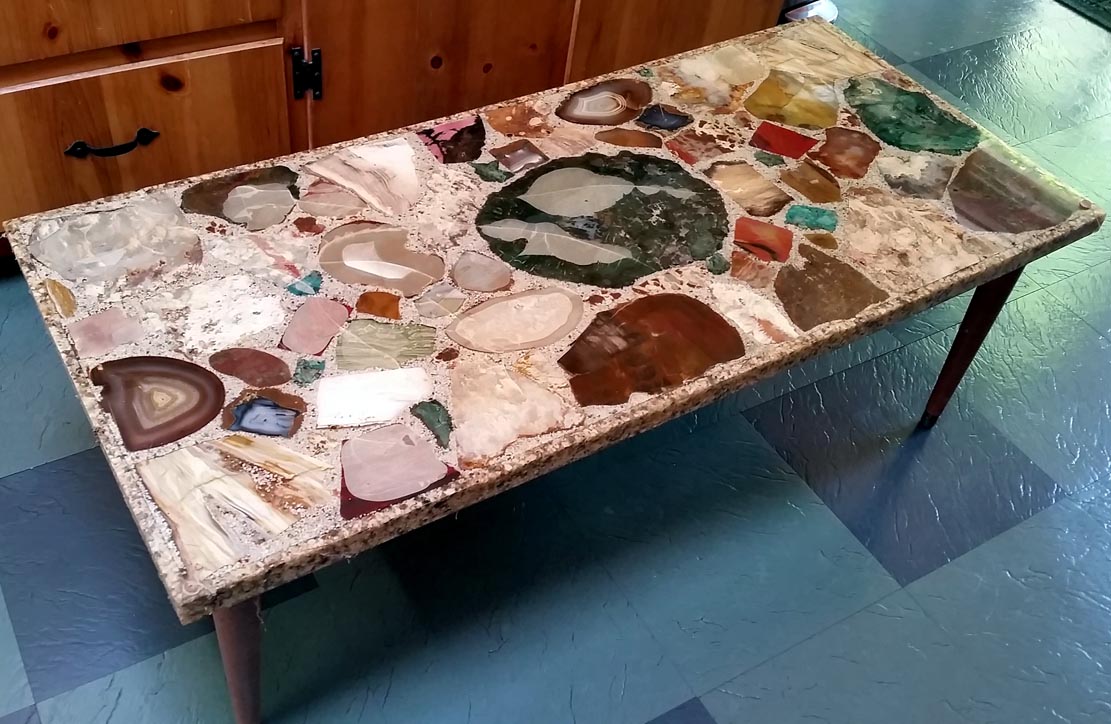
[
  {"x": 700, "y": 531},
  {"x": 1086, "y": 295},
  {"x": 690, "y": 712},
  {"x": 869, "y": 42},
  {"x": 1075, "y": 258},
  {"x": 30, "y": 715},
  {"x": 1079, "y": 154},
  {"x": 1041, "y": 379},
  {"x": 15, "y": 692},
  {"x": 916, "y": 499},
  {"x": 41, "y": 418},
  {"x": 916, "y": 29},
  {"x": 1063, "y": 65},
  {"x": 889, "y": 663},
  {"x": 1030, "y": 611}
]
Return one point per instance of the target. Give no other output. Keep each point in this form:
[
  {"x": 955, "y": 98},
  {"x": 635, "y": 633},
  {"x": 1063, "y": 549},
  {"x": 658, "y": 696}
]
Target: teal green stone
[
  {"x": 646, "y": 72},
  {"x": 490, "y": 171},
  {"x": 811, "y": 217},
  {"x": 769, "y": 159},
  {"x": 308, "y": 371},
  {"x": 436, "y": 418},
  {"x": 635, "y": 214},
  {"x": 307, "y": 286},
  {"x": 909, "y": 120},
  {"x": 717, "y": 264}
]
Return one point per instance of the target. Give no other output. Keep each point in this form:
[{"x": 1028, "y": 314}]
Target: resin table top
[{"x": 293, "y": 362}]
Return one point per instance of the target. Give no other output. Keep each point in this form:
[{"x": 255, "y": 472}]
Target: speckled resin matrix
[{"x": 291, "y": 363}]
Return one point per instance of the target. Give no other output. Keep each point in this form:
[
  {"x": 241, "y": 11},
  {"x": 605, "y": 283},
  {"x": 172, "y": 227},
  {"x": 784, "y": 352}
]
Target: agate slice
[
  {"x": 607, "y": 220},
  {"x": 381, "y": 174},
  {"x": 795, "y": 100},
  {"x": 380, "y": 304},
  {"x": 253, "y": 195},
  {"x": 224, "y": 497},
  {"x": 324, "y": 198},
  {"x": 440, "y": 300},
  {"x": 253, "y": 366},
  {"x": 495, "y": 407},
  {"x": 629, "y": 138},
  {"x": 386, "y": 466},
  {"x": 813, "y": 182},
  {"x": 367, "y": 343},
  {"x": 436, "y": 418},
  {"x": 455, "y": 141},
  {"x": 783, "y": 141},
  {"x": 313, "y": 326},
  {"x": 265, "y": 412},
  {"x": 157, "y": 400},
  {"x": 518, "y": 156},
  {"x": 526, "y": 320},
  {"x": 520, "y": 119},
  {"x": 998, "y": 190},
  {"x": 664, "y": 117},
  {"x": 766, "y": 242},
  {"x": 148, "y": 237},
  {"x": 847, "y": 153},
  {"x": 63, "y": 298},
  {"x": 609, "y": 103},
  {"x": 479, "y": 273},
  {"x": 363, "y": 398},
  {"x": 824, "y": 290},
  {"x": 364, "y": 252},
  {"x": 649, "y": 345},
  {"x": 909, "y": 120},
  {"x": 101, "y": 333},
  {"x": 748, "y": 187}
]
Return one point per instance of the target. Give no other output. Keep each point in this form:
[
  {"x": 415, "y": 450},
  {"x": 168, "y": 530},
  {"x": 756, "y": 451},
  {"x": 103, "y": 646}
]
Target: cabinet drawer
[
  {"x": 212, "y": 109},
  {"x": 36, "y": 29}
]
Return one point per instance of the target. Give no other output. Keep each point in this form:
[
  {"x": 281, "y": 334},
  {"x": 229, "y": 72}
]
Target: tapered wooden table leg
[
  {"x": 986, "y": 304},
  {"x": 239, "y": 634}
]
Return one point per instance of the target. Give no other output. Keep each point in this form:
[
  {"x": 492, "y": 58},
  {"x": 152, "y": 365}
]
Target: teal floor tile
[
  {"x": 1030, "y": 611},
  {"x": 1080, "y": 154},
  {"x": 1086, "y": 294},
  {"x": 721, "y": 548},
  {"x": 889, "y": 663},
  {"x": 40, "y": 417},
  {"x": 15, "y": 692},
  {"x": 1073, "y": 259}
]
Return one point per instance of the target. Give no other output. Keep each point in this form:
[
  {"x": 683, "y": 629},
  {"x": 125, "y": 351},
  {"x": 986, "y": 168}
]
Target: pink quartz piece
[
  {"x": 385, "y": 466},
  {"x": 103, "y": 332},
  {"x": 313, "y": 326}
]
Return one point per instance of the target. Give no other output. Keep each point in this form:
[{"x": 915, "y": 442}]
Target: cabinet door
[
  {"x": 35, "y": 29},
  {"x": 616, "y": 34},
  {"x": 213, "y": 109},
  {"x": 390, "y": 63}
]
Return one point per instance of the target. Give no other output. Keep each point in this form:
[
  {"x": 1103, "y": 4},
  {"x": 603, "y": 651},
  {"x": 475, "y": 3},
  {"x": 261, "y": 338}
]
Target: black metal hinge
[{"x": 308, "y": 75}]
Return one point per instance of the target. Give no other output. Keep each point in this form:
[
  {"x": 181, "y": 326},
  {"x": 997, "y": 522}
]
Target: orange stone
[
  {"x": 765, "y": 241},
  {"x": 813, "y": 182},
  {"x": 847, "y": 153},
  {"x": 380, "y": 304}
]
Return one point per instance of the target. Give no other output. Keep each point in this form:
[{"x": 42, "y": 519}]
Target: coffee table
[{"x": 290, "y": 363}]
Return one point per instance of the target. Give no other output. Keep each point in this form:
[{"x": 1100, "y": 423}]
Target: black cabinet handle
[{"x": 143, "y": 137}]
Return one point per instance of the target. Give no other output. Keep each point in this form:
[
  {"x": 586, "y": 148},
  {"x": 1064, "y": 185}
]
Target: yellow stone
[{"x": 795, "y": 100}]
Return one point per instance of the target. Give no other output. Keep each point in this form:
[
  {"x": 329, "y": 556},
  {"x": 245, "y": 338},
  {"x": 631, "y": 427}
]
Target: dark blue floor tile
[
  {"x": 917, "y": 500},
  {"x": 689, "y": 712},
  {"x": 81, "y": 590},
  {"x": 30, "y": 715},
  {"x": 1041, "y": 379},
  {"x": 916, "y": 29},
  {"x": 1061, "y": 65}
]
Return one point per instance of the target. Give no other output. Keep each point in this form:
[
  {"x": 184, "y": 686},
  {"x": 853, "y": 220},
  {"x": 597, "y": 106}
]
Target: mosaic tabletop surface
[{"x": 290, "y": 363}]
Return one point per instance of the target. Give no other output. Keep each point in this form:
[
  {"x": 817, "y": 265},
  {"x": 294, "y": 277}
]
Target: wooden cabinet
[
  {"x": 214, "y": 78},
  {"x": 212, "y": 109}
]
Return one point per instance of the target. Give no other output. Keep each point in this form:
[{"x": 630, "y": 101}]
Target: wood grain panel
[
  {"x": 214, "y": 109},
  {"x": 36, "y": 29},
  {"x": 390, "y": 63},
  {"x": 616, "y": 34}
]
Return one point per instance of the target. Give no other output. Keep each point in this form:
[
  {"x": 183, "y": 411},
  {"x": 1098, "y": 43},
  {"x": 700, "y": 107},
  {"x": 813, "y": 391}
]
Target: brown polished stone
[
  {"x": 825, "y": 289},
  {"x": 648, "y": 345},
  {"x": 752, "y": 271},
  {"x": 813, "y": 182},
  {"x": 846, "y": 152},
  {"x": 748, "y": 187},
  {"x": 157, "y": 400},
  {"x": 380, "y": 304},
  {"x": 609, "y": 103},
  {"x": 253, "y": 366},
  {"x": 822, "y": 239},
  {"x": 520, "y": 119},
  {"x": 629, "y": 138}
]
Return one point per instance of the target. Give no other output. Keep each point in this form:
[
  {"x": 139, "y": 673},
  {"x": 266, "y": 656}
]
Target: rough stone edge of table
[{"x": 193, "y": 599}]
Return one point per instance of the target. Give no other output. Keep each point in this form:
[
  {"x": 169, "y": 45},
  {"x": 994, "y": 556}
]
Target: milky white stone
[
  {"x": 389, "y": 463},
  {"x": 534, "y": 318},
  {"x": 219, "y": 313},
  {"x": 746, "y": 308},
  {"x": 368, "y": 397}
]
